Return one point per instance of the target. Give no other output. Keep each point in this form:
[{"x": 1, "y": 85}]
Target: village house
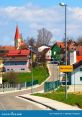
[
  {"x": 75, "y": 59},
  {"x": 76, "y": 75}
]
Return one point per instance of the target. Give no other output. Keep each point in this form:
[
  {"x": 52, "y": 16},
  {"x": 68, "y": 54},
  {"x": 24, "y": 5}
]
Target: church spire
[
  {"x": 17, "y": 34},
  {"x": 17, "y": 37}
]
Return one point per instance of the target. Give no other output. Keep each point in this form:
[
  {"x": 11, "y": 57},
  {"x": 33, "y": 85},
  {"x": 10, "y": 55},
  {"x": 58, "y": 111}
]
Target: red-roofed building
[
  {"x": 61, "y": 44},
  {"x": 18, "y": 53},
  {"x": 15, "y": 58},
  {"x": 70, "y": 45},
  {"x": 79, "y": 50},
  {"x": 78, "y": 58}
]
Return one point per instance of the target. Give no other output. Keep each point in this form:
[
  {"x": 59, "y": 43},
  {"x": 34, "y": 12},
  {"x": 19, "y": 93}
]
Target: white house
[
  {"x": 48, "y": 54},
  {"x": 76, "y": 75},
  {"x": 40, "y": 49},
  {"x": 72, "y": 57}
]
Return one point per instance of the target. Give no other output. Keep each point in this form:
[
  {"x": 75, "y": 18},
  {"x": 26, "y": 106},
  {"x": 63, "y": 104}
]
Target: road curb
[
  {"x": 51, "y": 104},
  {"x": 37, "y": 102}
]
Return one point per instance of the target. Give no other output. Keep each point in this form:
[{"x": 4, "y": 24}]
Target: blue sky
[
  {"x": 32, "y": 15},
  {"x": 44, "y": 3}
]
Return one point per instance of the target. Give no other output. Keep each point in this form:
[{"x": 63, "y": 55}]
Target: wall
[
  {"x": 72, "y": 57},
  {"x": 48, "y": 55},
  {"x": 17, "y": 68},
  {"x": 75, "y": 76}
]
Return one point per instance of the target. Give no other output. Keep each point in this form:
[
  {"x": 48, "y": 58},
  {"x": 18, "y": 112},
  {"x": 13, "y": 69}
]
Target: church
[{"x": 15, "y": 58}]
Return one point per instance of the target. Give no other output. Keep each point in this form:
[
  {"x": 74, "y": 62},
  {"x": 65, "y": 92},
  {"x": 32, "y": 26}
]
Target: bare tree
[
  {"x": 30, "y": 42},
  {"x": 44, "y": 37},
  {"x": 79, "y": 41}
]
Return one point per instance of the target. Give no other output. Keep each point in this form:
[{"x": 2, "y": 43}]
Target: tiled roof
[
  {"x": 69, "y": 45},
  {"x": 79, "y": 49},
  {"x": 7, "y": 48},
  {"x": 77, "y": 64},
  {"x": 60, "y": 44},
  {"x": 18, "y": 53},
  {"x": 78, "y": 58}
]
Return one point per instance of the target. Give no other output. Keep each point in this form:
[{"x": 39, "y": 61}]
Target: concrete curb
[
  {"x": 52, "y": 104},
  {"x": 32, "y": 102},
  {"x": 51, "y": 108}
]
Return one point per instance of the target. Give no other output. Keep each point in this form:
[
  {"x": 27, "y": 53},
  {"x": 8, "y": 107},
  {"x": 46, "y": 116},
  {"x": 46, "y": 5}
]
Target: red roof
[
  {"x": 60, "y": 44},
  {"x": 17, "y": 34},
  {"x": 7, "y": 48},
  {"x": 18, "y": 53},
  {"x": 79, "y": 49},
  {"x": 78, "y": 58}
]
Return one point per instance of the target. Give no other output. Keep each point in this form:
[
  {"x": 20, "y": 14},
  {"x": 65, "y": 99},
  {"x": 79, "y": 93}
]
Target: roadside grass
[
  {"x": 61, "y": 89},
  {"x": 39, "y": 73},
  {"x": 73, "y": 99}
]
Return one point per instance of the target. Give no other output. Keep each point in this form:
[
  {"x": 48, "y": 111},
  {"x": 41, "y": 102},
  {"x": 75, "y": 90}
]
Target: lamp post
[
  {"x": 64, "y": 5},
  {"x": 30, "y": 47}
]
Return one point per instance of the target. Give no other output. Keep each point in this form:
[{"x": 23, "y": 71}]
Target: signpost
[{"x": 66, "y": 68}]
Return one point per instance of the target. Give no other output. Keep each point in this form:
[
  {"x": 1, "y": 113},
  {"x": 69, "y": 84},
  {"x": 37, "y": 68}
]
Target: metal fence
[
  {"x": 48, "y": 86},
  {"x": 12, "y": 86}
]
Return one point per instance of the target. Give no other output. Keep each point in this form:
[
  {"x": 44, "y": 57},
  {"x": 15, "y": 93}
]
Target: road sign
[{"x": 66, "y": 68}]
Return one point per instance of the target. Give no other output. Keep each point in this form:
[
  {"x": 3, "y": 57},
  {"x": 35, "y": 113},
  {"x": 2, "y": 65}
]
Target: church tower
[{"x": 18, "y": 40}]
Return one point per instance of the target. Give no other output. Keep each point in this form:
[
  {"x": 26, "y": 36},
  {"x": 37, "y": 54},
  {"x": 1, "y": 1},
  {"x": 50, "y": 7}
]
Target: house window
[
  {"x": 80, "y": 69},
  {"x": 7, "y": 69},
  {"x": 22, "y": 69},
  {"x": 80, "y": 78}
]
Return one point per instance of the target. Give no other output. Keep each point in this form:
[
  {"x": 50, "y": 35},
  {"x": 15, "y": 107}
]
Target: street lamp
[
  {"x": 64, "y": 5},
  {"x": 30, "y": 47}
]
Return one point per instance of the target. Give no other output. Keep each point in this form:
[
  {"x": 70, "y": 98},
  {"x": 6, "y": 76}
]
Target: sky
[{"x": 32, "y": 15}]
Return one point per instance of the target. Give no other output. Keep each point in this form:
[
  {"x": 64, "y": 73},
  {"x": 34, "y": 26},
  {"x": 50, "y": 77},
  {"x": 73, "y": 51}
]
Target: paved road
[{"x": 9, "y": 101}]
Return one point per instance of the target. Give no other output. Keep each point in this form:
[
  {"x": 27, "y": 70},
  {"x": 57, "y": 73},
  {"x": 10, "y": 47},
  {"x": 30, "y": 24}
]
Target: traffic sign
[{"x": 66, "y": 68}]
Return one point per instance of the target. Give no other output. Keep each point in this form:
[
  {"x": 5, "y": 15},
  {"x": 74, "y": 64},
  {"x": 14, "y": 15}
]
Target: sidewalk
[{"x": 52, "y": 104}]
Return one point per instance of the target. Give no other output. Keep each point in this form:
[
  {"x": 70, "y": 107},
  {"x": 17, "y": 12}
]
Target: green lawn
[
  {"x": 73, "y": 99},
  {"x": 39, "y": 73}
]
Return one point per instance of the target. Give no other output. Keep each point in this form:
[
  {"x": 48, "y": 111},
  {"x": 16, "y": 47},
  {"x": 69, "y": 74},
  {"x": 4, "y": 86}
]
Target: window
[
  {"x": 80, "y": 69},
  {"x": 7, "y": 69},
  {"x": 22, "y": 69},
  {"x": 80, "y": 78}
]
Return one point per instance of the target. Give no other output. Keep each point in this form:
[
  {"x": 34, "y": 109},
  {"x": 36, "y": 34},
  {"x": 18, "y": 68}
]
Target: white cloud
[{"x": 51, "y": 18}]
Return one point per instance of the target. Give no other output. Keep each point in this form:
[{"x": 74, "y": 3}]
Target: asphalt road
[{"x": 9, "y": 101}]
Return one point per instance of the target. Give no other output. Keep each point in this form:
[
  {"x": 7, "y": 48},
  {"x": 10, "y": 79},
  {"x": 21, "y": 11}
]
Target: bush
[{"x": 10, "y": 77}]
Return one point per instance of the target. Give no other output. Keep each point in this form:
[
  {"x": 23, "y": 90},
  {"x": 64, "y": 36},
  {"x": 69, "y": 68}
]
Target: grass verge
[
  {"x": 73, "y": 99},
  {"x": 39, "y": 73}
]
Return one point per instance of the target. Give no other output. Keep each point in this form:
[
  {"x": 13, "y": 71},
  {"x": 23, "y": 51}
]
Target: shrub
[{"x": 10, "y": 77}]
